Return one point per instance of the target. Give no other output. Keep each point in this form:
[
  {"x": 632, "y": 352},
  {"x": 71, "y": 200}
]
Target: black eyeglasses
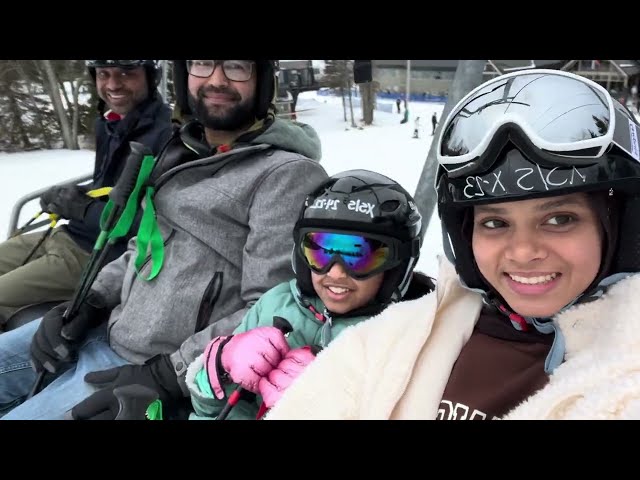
[{"x": 234, "y": 70}]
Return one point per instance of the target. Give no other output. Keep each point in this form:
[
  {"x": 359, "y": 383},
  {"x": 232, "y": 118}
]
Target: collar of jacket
[
  {"x": 142, "y": 115},
  {"x": 238, "y": 153},
  {"x": 304, "y": 301}
]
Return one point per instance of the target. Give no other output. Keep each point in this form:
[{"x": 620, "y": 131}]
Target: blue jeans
[{"x": 61, "y": 393}]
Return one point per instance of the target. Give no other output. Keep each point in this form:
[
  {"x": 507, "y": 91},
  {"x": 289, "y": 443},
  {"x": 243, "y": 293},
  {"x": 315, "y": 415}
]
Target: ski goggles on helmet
[
  {"x": 234, "y": 70},
  {"x": 362, "y": 256},
  {"x": 569, "y": 120}
]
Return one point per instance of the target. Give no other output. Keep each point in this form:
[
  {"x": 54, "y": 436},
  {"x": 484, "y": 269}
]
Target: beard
[{"x": 222, "y": 117}]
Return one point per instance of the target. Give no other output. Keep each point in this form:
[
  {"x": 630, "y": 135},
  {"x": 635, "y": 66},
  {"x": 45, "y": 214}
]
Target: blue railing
[{"x": 414, "y": 97}]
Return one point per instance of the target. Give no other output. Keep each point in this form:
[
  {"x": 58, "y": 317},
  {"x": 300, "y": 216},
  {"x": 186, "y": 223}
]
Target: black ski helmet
[
  {"x": 361, "y": 202},
  {"x": 266, "y": 86},
  {"x": 152, "y": 69},
  {"x": 511, "y": 167}
]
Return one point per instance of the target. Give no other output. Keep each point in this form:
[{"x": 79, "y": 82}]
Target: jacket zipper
[{"x": 208, "y": 301}]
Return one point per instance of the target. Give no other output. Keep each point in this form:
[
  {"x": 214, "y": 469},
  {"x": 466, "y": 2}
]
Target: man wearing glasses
[{"x": 225, "y": 195}]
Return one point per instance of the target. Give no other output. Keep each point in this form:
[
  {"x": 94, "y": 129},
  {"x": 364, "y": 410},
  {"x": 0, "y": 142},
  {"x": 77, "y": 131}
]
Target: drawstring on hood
[
  {"x": 542, "y": 325},
  {"x": 315, "y": 305}
]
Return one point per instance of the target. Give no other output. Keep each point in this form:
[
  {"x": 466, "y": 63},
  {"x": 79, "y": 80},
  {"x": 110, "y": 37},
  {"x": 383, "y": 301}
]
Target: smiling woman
[
  {"x": 541, "y": 226},
  {"x": 540, "y": 254}
]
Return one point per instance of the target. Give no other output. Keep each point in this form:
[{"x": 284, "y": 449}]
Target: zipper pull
[
  {"x": 327, "y": 316},
  {"x": 325, "y": 332}
]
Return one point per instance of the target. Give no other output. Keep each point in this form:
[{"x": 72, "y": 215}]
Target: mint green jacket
[{"x": 283, "y": 300}]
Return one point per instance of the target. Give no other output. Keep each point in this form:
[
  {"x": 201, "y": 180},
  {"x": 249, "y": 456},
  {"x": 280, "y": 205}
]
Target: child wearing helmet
[
  {"x": 357, "y": 241},
  {"x": 535, "y": 314}
]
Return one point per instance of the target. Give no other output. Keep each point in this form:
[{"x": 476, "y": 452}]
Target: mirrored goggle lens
[
  {"x": 236, "y": 70},
  {"x": 361, "y": 255},
  {"x": 551, "y": 109}
]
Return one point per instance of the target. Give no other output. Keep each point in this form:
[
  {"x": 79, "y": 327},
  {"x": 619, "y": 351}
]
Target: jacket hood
[
  {"x": 301, "y": 299},
  {"x": 293, "y": 137}
]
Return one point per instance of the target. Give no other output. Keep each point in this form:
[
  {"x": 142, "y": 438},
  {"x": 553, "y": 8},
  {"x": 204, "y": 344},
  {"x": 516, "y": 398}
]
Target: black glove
[
  {"x": 68, "y": 201},
  {"x": 157, "y": 374},
  {"x": 129, "y": 402},
  {"x": 53, "y": 343}
]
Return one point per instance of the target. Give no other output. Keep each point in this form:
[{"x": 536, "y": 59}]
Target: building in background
[
  {"x": 434, "y": 77},
  {"x": 430, "y": 77}
]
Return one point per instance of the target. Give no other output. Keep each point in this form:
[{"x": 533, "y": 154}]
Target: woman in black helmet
[{"x": 536, "y": 311}]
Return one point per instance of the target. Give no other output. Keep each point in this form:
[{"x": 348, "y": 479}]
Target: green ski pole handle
[{"x": 119, "y": 195}]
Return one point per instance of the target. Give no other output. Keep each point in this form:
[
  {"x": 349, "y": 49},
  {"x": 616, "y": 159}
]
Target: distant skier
[
  {"x": 434, "y": 123},
  {"x": 417, "y": 128},
  {"x": 405, "y": 117},
  {"x": 398, "y": 101}
]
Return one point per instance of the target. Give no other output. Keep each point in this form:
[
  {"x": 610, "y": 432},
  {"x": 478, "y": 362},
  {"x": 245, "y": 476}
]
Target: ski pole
[
  {"x": 125, "y": 198},
  {"x": 24, "y": 227},
  {"x": 119, "y": 196},
  {"x": 54, "y": 220},
  {"x": 285, "y": 327}
]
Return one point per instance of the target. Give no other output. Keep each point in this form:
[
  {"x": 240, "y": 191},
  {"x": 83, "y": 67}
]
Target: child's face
[
  {"x": 538, "y": 254},
  {"x": 340, "y": 293}
]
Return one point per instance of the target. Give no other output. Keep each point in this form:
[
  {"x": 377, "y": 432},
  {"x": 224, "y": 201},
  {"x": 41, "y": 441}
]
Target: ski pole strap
[
  {"x": 53, "y": 219},
  {"x": 128, "y": 215},
  {"x": 149, "y": 235}
]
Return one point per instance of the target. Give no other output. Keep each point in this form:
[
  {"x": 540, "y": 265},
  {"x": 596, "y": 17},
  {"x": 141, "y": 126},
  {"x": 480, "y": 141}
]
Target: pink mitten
[
  {"x": 278, "y": 380},
  {"x": 245, "y": 358}
]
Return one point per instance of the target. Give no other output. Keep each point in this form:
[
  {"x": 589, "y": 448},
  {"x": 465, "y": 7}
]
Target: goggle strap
[{"x": 409, "y": 249}]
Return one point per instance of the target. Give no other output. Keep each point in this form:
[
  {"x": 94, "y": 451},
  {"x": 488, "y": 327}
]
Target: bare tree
[
  {"x": 353, "y": 122},
  {"x": 76, "y": 85},
  {"x": 37, "y": 113},
  {"x": 367, "y": 93},
  {"x": 468, "y": 76},
  {"x": 54, "y": 92},
  {"x": 17, "y": 114},
  {"x": 337, "y": 76},
  {"x": 20, "y": 132},
  {"x": 75, "y": 77},
  {"x": 27, "y": 109}
]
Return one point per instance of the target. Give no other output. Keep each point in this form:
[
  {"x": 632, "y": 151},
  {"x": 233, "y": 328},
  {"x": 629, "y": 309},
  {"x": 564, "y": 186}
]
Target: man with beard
[
  {"x": 130, "y": 109},
  {"x": 218, "y": 214}
]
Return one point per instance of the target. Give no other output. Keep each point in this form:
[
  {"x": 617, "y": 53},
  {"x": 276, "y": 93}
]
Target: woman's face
[{"x": 538, "y": 254}]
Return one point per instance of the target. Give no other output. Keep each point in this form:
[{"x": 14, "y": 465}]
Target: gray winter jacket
[{"x": 228, "y": 239}]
